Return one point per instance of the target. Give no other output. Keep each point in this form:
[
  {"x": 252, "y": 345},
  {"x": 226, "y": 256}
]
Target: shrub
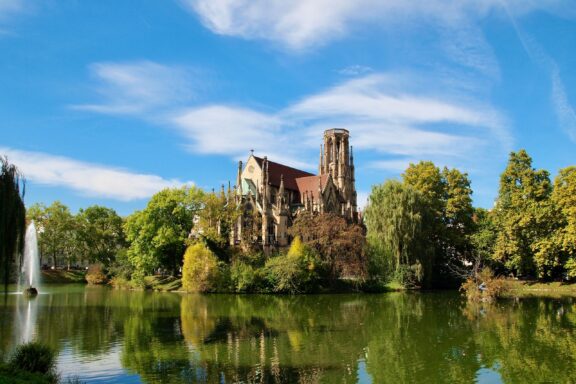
[
  {"x": 295, "y": 272},
  {"x": 245, "y": 278},
  {"x": 33, "y": 357},
  {"x": 202, "y": 271},
  {"x": 484, "y": 286},
  {"x": 96, "y": 275}
]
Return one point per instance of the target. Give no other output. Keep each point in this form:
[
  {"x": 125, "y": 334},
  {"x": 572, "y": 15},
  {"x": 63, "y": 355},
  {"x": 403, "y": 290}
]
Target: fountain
[{"x": 31, "y": 264}]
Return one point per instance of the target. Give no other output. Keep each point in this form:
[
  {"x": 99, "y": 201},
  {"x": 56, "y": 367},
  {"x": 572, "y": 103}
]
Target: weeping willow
[{"x": 12, "y": 218}]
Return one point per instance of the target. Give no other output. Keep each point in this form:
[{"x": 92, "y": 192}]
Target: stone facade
[{"x": 272, "y": 195}]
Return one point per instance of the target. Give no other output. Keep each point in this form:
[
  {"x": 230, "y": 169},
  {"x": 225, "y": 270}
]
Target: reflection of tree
[
  {"x": 395, "y": 338},
  {"x": 420, "y": 339},
  {"x": 531, "y": 340},
  {"x": 274, "y": 339}
]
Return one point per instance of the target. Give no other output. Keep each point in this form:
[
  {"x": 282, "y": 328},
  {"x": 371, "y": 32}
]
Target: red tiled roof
[
  {"x": 310, "y": 184},
  {"x": 275, "y": 172}
]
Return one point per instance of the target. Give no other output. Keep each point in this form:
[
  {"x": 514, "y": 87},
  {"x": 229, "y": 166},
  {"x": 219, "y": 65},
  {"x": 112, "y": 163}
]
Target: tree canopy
[
  {"x": 158, "y": 233},
  {"x": 12, "y": 217}
]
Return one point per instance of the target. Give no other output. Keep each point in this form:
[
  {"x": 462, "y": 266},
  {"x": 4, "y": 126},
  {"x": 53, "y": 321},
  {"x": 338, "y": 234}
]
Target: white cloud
[
  {"x": 300, "y": 24},
  {"x": 232, "y": 131},
  {"x": 90, "y": 179},
  {"x": 138, "y": 87},
  {"x": 562, "y": 106},
  {"x": 386, "y": 113}
]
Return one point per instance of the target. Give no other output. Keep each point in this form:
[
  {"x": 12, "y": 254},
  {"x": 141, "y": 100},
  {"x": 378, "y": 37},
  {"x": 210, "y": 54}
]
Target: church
[{"x": 272, "y": 195}]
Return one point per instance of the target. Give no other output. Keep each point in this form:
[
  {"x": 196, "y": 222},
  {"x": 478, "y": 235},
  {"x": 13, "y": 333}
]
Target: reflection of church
[{"x": 276, "y": 194}]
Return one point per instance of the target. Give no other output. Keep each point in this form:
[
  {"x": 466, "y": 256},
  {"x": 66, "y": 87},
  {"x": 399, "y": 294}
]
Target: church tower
[{"x": 337, "y": 162}]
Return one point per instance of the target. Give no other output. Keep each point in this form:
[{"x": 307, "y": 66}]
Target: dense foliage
[
  {"x": 157, "y": 234},
  {"x": 420, "y": 231},
  {"x": 421, "y": 227},
  {"x": 12, "y": 218},
  {"x": 202, "y": 272},
  {"x": 428, "y": 219},
  {"x": 94, "y": 235}
]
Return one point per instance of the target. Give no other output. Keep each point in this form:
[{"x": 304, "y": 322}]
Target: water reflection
[{"x": 118, "y": 336}]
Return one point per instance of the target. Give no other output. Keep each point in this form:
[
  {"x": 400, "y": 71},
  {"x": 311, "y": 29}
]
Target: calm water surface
[{"x": 107, "y": 336}]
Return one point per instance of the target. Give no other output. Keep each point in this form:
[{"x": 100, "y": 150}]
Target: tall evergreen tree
[
  {"x": 522, "y": 213},
  {"x": 564, "y": 198},
  {"x": 12, "y": 218}
]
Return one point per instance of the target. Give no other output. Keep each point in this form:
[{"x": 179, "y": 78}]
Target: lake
[{"x": 108, "y": 336}]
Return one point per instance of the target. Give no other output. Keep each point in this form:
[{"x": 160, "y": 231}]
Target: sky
[{"x": 107, "y": 102}]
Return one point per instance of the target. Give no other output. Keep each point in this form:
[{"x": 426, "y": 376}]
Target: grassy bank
[
  {"x": 555, "y": 289},
  {"x": 62, "y": 276},
  {"x": 154, "y": 283}
]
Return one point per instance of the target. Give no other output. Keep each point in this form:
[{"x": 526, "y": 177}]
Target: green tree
[
  {"x": 564, "y": 198},
  {"x": 12, "y": 218},
  {"x": 484, "y": 237},
  {"x": 57, "y": 232},
  {"x": 447, "y": 197},
  {"x": 394, "y": 219},
  {"x": 458, "y": 215},
  {"x": 522, "y": 214},
  {"x": 158, "y": 234},
  {"x": 100, "y": 234}
]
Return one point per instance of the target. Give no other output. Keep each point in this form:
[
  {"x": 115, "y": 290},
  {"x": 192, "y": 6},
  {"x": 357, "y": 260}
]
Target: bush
[
  {"x": 202, "y": 271},
  {"x": 33, "y": 357},
  {"x": 245, "y": 278},
  {"x": 293, "y": 273},
  {"x": 96, "y": 275},
  {"x": 484, "y": 286}
]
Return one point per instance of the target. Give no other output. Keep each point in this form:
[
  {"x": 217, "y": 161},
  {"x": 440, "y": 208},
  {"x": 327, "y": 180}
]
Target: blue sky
[{"x": 106, "y": 102}]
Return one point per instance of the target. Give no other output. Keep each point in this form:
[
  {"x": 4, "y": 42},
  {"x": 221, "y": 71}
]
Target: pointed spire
[
  {"x": 321, "y": 161},
  {"x": 239, "y": 178},
  {"x": 351, "y": 155}
]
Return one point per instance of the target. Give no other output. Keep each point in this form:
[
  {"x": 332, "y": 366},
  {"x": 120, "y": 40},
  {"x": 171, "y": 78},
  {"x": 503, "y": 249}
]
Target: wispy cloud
[
  {"x": 87, "y": 178},
  {"x": 382, "y": 112},
  {"x": 404, "y": 115},
  {"x": 138, "y": 87},
  {"x": 565, "y": 112},
  {"x": 300, "y": 24}
]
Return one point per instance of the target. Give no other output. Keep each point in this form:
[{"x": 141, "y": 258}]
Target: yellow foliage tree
[{"x": 201, "y": 272}]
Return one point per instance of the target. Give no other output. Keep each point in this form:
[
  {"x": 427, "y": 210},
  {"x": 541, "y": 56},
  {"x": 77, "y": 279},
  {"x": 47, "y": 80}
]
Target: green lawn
[{"x": 62, "y": 276}]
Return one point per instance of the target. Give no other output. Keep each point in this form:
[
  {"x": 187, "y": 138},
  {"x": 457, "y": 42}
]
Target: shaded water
[{"x": 131, "y": 337}]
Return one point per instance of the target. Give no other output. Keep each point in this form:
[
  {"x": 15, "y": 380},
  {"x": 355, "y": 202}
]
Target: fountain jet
[{"x": 31, "y": 264}]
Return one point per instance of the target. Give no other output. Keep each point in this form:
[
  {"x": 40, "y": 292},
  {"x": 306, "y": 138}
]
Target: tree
[
  {"x": 100, "y": 234},
  {"x": 483, "y": 238},
  {"x": 522, "y": 214},
  {"x": 564, "y": 199},
  {"x": 394, "y": 218},
  {"x": 447, "y": 197},
  {"x": 57, "y": 232},
  {"x": 218, "y": 215},
  {"x": 158, "y": 234},
  {"x": 340, "y": 245},
  {"x": 12, "y": 218},
  {"x": 202, "y": 272}
]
